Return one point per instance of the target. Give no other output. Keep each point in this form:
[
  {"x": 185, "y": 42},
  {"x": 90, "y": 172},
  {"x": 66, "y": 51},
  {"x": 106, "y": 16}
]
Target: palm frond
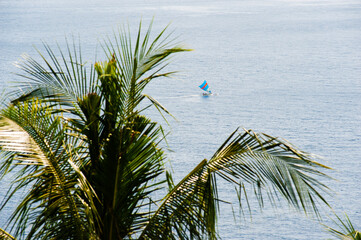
[
  {"x": 188, "y": 211},
  {"x": 345, "y": 229},
  {"x": 63, "y": 79},
  {"x": 138, "y": 65},
  {"x": 268, "y": 164},
  {"x": 43, "y": 170},
  {"x": 272, "y": 164},
  {"x": 130, "y": 163},
  {"x": 5, "y": 236}
]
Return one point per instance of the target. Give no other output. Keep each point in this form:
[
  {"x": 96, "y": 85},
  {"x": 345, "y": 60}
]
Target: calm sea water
[{"x": 289, "y": 68}]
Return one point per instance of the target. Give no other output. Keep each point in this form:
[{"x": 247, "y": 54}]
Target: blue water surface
[{"x": 289, "y": 68}]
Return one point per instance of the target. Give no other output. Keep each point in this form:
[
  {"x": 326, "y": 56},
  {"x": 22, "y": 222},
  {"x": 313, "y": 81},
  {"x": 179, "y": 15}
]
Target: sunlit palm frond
[
  {"x": 5, "y": 236},
  {"x": 140, "y": 63},
  {"x": 59, "y": 79},
  {"x": 43, "y": 170}
]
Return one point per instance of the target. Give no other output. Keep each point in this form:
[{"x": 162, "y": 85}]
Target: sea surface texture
[{"x": 288, "y": 68}]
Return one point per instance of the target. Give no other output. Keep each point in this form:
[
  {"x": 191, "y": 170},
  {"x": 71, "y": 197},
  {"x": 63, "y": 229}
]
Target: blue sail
[{"x": 204, "y": 86}]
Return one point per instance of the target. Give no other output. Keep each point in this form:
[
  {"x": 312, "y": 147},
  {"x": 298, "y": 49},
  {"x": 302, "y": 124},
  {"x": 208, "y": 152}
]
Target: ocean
[{"x": 288, "y": 68}]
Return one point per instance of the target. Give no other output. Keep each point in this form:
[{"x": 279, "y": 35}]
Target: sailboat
[{"x": 204, "y": 86}]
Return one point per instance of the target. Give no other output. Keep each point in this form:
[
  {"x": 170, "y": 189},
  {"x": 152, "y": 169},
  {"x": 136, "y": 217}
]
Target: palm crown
[{"x": 92, "y": 163}]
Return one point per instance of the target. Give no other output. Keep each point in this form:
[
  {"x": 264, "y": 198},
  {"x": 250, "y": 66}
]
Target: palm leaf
[
  {"x": 5, "y": 236},
  {"x": 44, "y": 168},
  {"x": 130, "y": 163},
  {"x": 267, "y": 162},
  {"x": 62, "y": 79},
  {"x": 138, "y": 65},
  {"x": 345, "y": 229},
  {"x": 190, "y": 210}
]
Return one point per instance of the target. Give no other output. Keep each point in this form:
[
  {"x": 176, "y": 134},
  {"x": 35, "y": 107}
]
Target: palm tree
[{"x": 92, "y": 164}]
